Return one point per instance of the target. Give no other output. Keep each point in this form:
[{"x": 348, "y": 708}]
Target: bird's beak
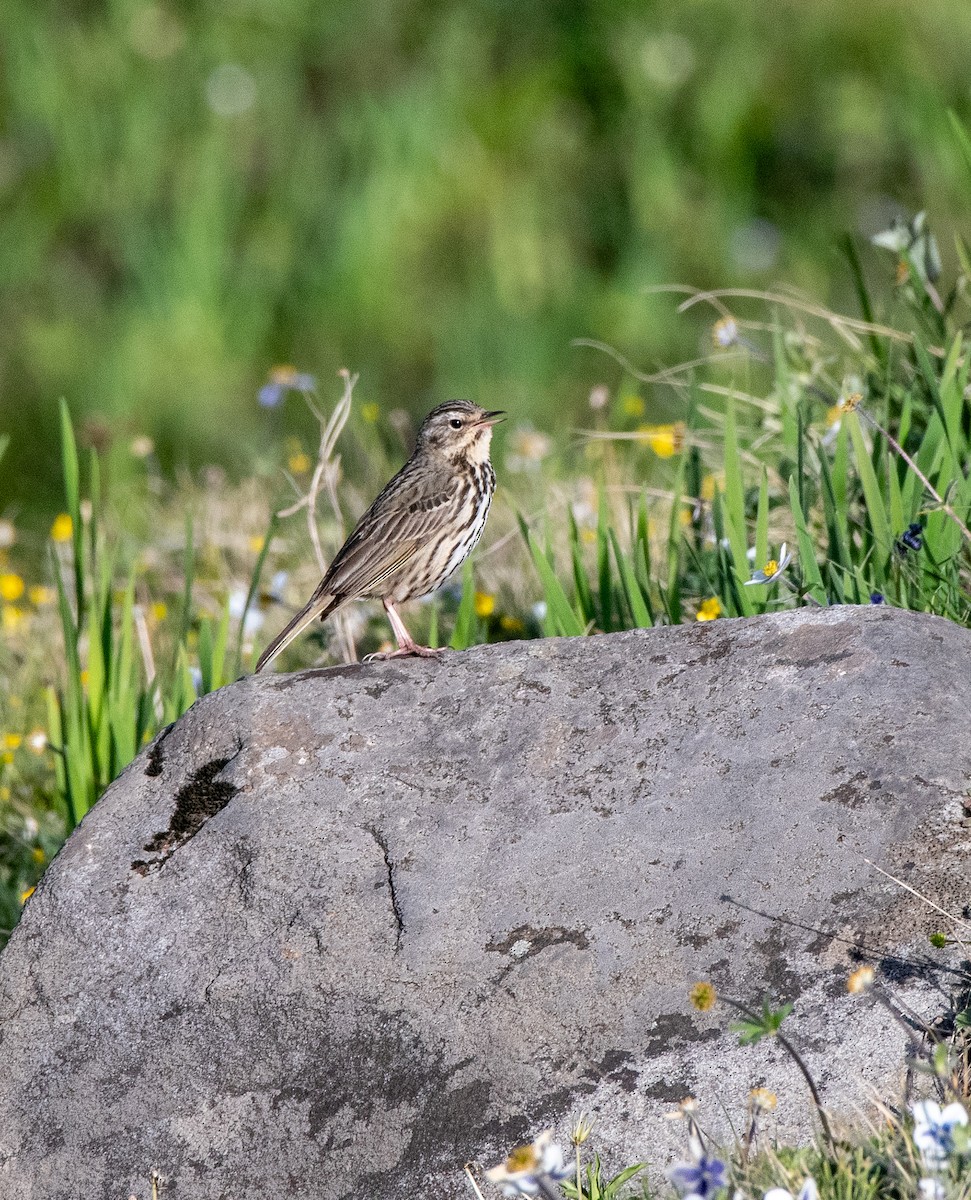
[{"x": 492, "y": 418}]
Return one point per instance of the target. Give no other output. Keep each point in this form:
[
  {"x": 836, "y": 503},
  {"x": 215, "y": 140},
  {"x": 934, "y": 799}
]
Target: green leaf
[{"x": 558, "y": 606}]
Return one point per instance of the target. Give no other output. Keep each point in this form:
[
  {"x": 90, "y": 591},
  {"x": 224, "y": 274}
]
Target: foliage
[{"x": 443, "y": 197}]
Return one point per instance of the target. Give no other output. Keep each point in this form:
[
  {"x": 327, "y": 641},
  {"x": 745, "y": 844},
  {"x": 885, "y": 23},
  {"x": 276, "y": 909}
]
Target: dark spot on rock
[
  {"x": 672, "y": 1030},
  {"x": 616, "y": 1067},
  {"x": 853, "y": 792},
  {"x": 526, "y": 941},
  {"x": 156, "y": 757},
  {"x": 196, "y": 802}
]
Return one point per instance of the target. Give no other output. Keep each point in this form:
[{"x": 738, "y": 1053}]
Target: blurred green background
[{"x": 438, "y": 195}]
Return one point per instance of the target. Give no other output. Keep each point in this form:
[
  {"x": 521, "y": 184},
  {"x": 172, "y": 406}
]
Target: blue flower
[
  {"x": 934, "y": 1131},
  {"x": 702, "y": 1178},
  {"x": 281, "y": 380},
  {"x": 911, "y": 539},
  {"x": 876, "y": 598}
]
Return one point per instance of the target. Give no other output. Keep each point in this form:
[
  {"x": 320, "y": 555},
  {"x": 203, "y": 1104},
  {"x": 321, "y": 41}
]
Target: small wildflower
[
  {"x": 159, "y": 610},
  {"x": 709, "y": 610},
  {"x": 724, "y": 333},
  {"x": 934, "y": 1131},
  {"x": 529, "y": 1166},
  {"x": 709, "y": 485},
  {"x": 808, "y": 1191},
  {"x": 485, "y": 604},
  {"x": 255, "y": 543},
  {"x": 37, "y": 741},
  {"x": 763, "y": 1098},
  {"x": 510, "y": 624},
  {"x": 25, "y": 896},
  {"x": 876, "y": 598},
  {"x": 281, "y": 380},
  {"x": 833, "y": 416},
  {"x": 633, "y": 406},
  {"x": 254, "y": 617},
  {"x": 772, "y": 570},
  {"x": 912, "y": 538},
  {"x": 931, "y": 1189},
  {"x": 63, "y": 528},
  {"x": 12, "y": 618},
  {"x": 664, "y": 440},
  {"x": 581, "y": 1130},
  {"x": 599, "y": 397},
  {"x": 938, "y": 940},
  {"x": 141, "y": 447},
  {"x": 38, "y": 855},
  {"x": 8, "y": 534},
  {"x": 703, "y": 996},
  {"x": 850, "y": 403},
  {"x": 299, "y": 463},
  {"x": 701, "y": 1178},
  {"x": 12, "y": 587},
  {"x": 40, "y": 596},
  {"x": 915, "y": 245},
  {"x": 371, "y": 412},
  {"x": 527, "y": 449},
  {"x": 861, "y": 980},
  {"x": 538, "y": 611},
  {"x": 11, "y": 741}
]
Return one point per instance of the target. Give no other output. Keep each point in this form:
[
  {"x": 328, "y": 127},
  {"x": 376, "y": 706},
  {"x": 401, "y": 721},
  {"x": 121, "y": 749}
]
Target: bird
[{"x": 420, "y": 529}]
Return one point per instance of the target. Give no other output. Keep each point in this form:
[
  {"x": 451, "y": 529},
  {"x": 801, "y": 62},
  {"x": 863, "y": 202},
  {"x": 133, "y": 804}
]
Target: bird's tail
[{"x": 316, "y": 606}]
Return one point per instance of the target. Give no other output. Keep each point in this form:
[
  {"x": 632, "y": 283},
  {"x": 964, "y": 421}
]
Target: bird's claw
[{"x": 412, "y": 651}]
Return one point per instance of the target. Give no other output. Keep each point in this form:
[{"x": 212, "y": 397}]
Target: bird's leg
[{"x": 406, "y": 644}]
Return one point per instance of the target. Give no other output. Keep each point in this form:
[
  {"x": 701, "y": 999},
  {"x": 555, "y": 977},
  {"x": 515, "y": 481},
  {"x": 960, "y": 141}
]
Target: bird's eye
[{"x": 456, "y": 422}]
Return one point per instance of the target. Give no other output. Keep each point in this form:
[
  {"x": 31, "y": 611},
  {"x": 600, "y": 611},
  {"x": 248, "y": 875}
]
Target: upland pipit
[{"x": 418, "y": 531}]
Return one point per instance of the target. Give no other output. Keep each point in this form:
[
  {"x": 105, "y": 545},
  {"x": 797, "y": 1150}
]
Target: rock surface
[{"x": 337, "y": 933}]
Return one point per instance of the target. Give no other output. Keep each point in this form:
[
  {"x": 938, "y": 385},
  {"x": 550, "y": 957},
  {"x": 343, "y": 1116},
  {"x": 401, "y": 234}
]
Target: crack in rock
[{"x": 382, "y": 844}]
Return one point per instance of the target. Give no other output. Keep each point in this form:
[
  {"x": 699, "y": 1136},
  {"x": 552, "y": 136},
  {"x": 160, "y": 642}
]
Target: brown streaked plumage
[{"x": 418, "y": 531}]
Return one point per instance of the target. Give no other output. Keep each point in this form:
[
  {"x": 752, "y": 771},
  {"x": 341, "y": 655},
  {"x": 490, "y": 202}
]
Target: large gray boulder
[{"x": 337, "y": 933}]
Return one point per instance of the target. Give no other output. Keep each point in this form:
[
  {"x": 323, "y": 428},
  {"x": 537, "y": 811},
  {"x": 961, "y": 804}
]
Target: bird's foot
[{"x": 411, "y": 650}]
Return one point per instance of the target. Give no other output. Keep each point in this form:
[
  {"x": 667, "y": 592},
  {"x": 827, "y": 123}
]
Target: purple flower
[
  {"x": 876, "y": 598},
  {"x": 911, "y": 539},
  {"x": 701, "y": 1178},
  {"x": 281, "y": 380}
]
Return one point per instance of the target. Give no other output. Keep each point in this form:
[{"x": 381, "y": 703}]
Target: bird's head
[{"x": 458, "y": 431}]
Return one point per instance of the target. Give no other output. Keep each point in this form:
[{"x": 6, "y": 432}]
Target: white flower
[
  {"x": 934, "y": 1130},
  {"x": 808, "y": 1191},
  {"x": 772, "y": 569},
  {"x": 237, "y": 602},
  {"x": 930, "y": 1189},
  {"x": 529, "y": 1166}
]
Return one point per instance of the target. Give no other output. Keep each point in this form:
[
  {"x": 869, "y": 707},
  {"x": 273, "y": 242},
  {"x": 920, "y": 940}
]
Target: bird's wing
[{"x": 411, "y": 510}]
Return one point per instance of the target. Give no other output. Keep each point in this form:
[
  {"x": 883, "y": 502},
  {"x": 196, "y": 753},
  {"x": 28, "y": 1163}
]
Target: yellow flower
[
  {"x": 11, "y": 587},
  {"x": 763, "y": 1098},
  {"x": 370, "y": 413},
  {"x": 256, "y": 544},
  {"x": 770, "y": 567},
  {"x": 299, "y": 463},
  {"x": 633, "y": 406},
  {"x": 39, "y": 595},
  {"x": 709, "y": 609},
  {"x": 485, "y": 604},
  {"x": 62, "y": 528},
  {"x": 664, "y": 440},
  {"x": 159, "y": 610},
  {"x": 11, "y": 741},
  {"x": 25, "y": 896},
  {"x": 38, "y": 855},
  {"x": 709, "y": 485},
  {"x": 703, "y": 996},
  {"x": 12, "y": 618},
  {"x": 511, "y": 625},
  {"x": 861, "y": 980}
]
